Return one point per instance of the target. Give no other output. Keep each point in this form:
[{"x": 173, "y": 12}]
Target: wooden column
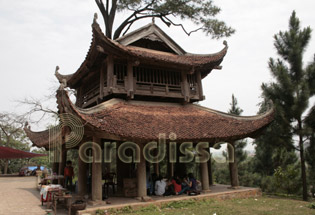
[
  {"x": 233, "y": 167},
  {"x": 82, "y": 177},
  {"x": 204, "y": 176},
  {"x": 62, "y": 164},
  {"x": 210, "y": 171},
  {"x": 170, "y": 166},
  {"x": 79, "y": 97},
  {"x": 55, "y": 167},
  {"x": 185, "y": 87},
  {"x": 96, "y": 176},
  {"x": 102, "y": 81},
  {"x": 141, "y": 175},
  {"x": 200, "y": 90},
  {"x": 110, "y": 72},
  {"x": 130, "y": 90}
]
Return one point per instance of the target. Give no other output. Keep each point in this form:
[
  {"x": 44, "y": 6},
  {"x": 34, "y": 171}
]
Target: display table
[
  {"x": 59, "y": 197},
  {"x": 47, "y": 192}
]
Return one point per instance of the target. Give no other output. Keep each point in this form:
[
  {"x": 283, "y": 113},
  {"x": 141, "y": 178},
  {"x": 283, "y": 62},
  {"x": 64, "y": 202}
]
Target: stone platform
[{"x": 217, "y": 192}]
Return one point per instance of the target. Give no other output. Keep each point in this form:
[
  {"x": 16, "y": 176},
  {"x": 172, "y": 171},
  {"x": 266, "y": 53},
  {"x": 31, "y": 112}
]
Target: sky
[{"x": 38, "y": 35}]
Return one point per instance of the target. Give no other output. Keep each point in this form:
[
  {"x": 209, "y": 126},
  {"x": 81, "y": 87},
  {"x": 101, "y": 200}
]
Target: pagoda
[{"x": 134, "y": 89}]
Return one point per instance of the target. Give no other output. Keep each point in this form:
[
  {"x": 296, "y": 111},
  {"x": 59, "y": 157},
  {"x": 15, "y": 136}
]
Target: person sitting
[
  {"x": 160, "y": 186},
  {"x": 169, "y": 190},
  {"x": 193, "y": 184},
  {"x": 177, "y": 185},
  {"x": 185, "y": 185}
]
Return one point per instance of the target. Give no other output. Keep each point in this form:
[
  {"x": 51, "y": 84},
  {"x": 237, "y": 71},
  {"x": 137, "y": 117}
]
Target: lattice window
[
  {"x": 120, "y": 71},
  {"x": 157, "y": 76}
]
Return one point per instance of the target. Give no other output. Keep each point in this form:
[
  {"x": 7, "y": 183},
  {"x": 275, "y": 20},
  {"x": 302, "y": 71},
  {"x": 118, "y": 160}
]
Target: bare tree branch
[{"x": 186, "y": 32}]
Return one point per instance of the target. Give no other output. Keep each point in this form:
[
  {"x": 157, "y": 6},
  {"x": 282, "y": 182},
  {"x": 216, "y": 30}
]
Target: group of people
[{"x": 176, "y": 185}]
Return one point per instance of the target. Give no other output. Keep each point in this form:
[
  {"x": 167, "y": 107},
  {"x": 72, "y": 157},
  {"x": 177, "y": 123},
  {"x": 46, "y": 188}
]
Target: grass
[{"x": 265, "y": 205}]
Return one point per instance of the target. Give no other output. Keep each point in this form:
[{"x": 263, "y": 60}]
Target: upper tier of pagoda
[{"x": 145, "y": 64}]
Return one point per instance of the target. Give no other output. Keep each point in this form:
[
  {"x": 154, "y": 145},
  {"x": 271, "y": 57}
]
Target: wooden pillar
[
  {"x": 210, "y": 171},
  {"x": 62, "y": 164},
  {"x": 201, "y": 97},
  {"x": 204, "y": 176},
  {"x": 79, "y": 97},
  {"x": 130, "y": 88},
  {"x": 233, "y": 166},
  {"x": 156, "y": 168},
  {"x": 110, "y": 72},
  {"x": 96, "y": 175},
  {"x": 141, "y": 175},
  {"x": 170, "y": 166},
  {"x": 82, "y": 177},
  {"x": 185, "y": 87},
  {"x": 102, "y": 81},
  {"x": 55, "y": 167}
]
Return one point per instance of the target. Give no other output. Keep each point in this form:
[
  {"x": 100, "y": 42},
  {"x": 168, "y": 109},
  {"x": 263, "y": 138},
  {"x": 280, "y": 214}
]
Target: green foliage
[
  {"x": 180, "y": 204},
  {"x": 311, "y": 205},
  {"x": 100, "y": 212},
  {"x": 149, "y": 208},
  {"x": 42, "y": 161},
  {"x": 240, "y": 206},
  {"x": 234, "y": 107},
  {"x": 221, "y": 174},
  {"x": 310, "y": 159},
  {"x": 201, "y": 12},
  {"x": 12, "y": 135},
  {"x": 291, "y": 90},
  {"x": 287, "y": 180}
]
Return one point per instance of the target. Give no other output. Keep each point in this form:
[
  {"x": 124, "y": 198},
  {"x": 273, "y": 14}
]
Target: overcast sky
[{"x": 37, "y": 35}]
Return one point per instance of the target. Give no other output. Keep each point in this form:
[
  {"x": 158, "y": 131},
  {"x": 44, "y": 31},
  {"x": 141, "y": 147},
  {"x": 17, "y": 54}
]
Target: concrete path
[{"x": 18, "y": 195}]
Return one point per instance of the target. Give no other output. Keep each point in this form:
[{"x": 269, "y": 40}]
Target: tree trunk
[
  {"x": 302, "y": 158},
  {"x": 6, "y": 164}
]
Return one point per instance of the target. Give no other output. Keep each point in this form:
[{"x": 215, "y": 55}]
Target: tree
[
  {"x": 11, "y": 132},
  {"x": 239, "y": 154},
  {"x": 200, "y": 12},
  {"x": 310, "y": 151},
  {"x": 292, "y": 88},
  {"x": 241, "y": 144}
]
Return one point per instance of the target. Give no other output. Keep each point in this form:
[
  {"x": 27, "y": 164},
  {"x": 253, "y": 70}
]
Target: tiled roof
[
  {"x": 39, "y": 139},
  {"x": 135, "y": 120},
  {"x": 100, "y": 43}
]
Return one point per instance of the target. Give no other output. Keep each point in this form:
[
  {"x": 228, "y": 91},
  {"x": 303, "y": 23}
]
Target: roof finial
[
  {"x": 26, "y": 125},
  {"x": 225, "y": 43},
  {"x": 95, "y": 17},
  {"x": 153, "y": 20},
  {"x": 56, "y": 70}
]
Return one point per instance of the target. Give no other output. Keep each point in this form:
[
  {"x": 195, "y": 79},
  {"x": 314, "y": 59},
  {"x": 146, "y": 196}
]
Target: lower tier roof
[{"x": 144, "y": 121}]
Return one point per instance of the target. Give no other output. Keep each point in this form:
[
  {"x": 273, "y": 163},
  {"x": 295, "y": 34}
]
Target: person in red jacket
[{"x": 68, "y": 174}]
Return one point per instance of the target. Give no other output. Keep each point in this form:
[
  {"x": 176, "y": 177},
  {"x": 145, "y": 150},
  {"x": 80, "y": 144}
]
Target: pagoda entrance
[{"x": 129, "y": 179}]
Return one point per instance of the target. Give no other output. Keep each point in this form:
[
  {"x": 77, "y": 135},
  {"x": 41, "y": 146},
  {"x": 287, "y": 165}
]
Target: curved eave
[
  {"x": 144, "y": 121},
  {"x": 102, "y": 45},
  {"x": 39, "y": 139},
  {"x": 62, "y": 77},
  {"x": 202, "y": 62}
]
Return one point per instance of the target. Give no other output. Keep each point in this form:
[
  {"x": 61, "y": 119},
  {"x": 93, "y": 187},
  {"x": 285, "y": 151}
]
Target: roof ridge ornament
[
  {"x": 95, "y": 18},
  {"x": 63, "y": 82},
  {"x": 225, "y": 43}
]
